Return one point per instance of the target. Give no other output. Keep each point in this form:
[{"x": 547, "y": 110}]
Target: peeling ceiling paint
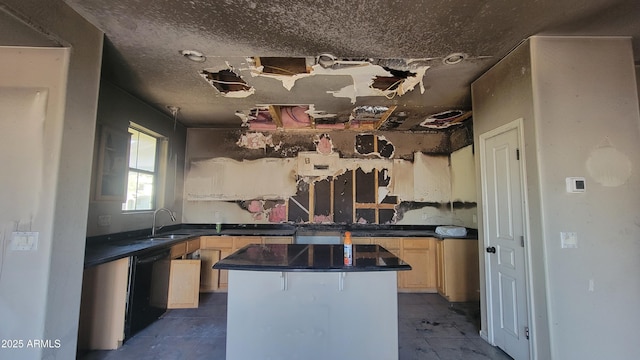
[
  {"x": 142, "y": 37},
  {"x": 362, "y": 73}
]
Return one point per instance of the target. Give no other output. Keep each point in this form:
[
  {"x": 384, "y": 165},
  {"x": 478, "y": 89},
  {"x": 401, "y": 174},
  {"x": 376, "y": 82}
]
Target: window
[{"x": 141, "y": 181}]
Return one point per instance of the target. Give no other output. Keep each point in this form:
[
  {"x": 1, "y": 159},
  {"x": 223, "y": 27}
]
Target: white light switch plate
[
  {"x": 569, "y": 240},
  {"x": 104, "y": 220},
  {"x": 24, "y": 241}
]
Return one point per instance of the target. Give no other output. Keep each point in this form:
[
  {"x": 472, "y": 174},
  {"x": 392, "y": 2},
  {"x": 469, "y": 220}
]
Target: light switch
[
  {"x": 24, "y": 240},
  {"x": 569, "y": 240},
  {"x": 104, "y": 220}
]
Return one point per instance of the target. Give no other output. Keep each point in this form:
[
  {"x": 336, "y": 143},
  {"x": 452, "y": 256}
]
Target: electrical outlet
[
  {"x": 568, "y": 240},
  {"x": 24, "y": 240},
  {"x": 104, "y": 220}
]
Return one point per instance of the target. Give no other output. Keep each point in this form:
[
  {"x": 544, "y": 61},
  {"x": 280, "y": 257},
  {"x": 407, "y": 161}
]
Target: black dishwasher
[{"x": 148, "y": 273}]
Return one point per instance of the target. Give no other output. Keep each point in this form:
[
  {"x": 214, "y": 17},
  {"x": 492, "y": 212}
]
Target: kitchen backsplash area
[{"x": 337, "y": 177}]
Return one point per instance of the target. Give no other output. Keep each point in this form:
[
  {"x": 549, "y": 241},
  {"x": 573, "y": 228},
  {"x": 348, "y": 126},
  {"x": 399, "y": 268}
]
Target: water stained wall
[{"x": 318, "y": 177}]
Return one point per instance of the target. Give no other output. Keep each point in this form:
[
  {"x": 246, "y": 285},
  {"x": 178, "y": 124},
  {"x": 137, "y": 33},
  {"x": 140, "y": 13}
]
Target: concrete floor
[{"x": 429, "y": 328}]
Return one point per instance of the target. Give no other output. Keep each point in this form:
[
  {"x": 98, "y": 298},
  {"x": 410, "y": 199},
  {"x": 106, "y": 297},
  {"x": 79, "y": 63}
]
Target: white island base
[{"x": 312, "y": 315}]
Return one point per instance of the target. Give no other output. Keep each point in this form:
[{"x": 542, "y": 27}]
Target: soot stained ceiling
[{"x": 378, "y": 54}]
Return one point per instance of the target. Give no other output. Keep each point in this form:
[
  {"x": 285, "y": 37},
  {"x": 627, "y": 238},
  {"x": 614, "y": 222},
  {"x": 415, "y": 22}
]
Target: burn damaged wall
[{"x": 239, "y": 176}]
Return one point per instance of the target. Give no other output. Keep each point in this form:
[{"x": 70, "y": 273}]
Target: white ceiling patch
[{"x": 362, "y": 73}]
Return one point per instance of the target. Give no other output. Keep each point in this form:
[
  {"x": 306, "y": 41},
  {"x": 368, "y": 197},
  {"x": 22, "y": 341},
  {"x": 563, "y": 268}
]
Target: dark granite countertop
[
  {"x": 304, "y": 257},
  {"x": 104, "y": 248}
]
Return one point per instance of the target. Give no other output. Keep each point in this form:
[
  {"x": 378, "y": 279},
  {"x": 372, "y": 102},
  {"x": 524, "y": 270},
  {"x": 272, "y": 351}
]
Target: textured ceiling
[{"x": 144, "y": 39}]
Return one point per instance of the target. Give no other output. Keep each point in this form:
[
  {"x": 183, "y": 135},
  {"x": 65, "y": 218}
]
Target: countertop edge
[{"x": 194, "y": 230}]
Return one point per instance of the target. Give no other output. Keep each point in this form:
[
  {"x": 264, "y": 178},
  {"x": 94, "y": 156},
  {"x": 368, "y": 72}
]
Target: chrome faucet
[{"x": 155, "y": 214}]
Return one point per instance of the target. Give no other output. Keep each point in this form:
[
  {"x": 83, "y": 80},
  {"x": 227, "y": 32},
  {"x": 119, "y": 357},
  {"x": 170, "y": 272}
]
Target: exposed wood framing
[
  {"x": 276, "y": 115},
  {"x": 331, "y": 193},
  {"x": 385, "y": 116},
  {"x": 312, "y": 195}
]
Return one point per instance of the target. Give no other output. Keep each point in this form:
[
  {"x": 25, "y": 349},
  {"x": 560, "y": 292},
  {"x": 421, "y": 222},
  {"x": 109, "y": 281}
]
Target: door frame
[{"x": 518, "y": 125}]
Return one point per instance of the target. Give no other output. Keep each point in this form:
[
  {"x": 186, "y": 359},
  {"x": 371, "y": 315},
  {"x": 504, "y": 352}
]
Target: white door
[{"x": 504, "y": 243}]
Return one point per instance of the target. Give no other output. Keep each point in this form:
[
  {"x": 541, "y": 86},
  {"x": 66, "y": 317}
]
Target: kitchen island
[{"x": 298, "y": 301}]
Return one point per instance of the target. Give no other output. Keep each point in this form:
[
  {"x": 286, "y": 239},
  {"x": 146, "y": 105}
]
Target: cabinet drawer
[
  {"x": 416, "y": 243},
  {"x": 278, "y": 240},
  {"x": 242, "y": 241},
  {"x": 216, "y": 242},
  {"x": 360, "y": 240},
  {"x": 193, "y": 245},
  {"x": 388, "y": 243},
  {"x": 178, "y": 250}
]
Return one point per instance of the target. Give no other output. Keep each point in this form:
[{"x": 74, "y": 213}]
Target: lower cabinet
[
  {"x": 420, "y": 254},
  {"x": 103, "y": 306},
  {"x": 184, "y": 284},
  {"x": 458, "y": 273},
  {"x": 214, "y": 248},
  {"x": 184, "y": 277},
  {"x": 183, "y": 288},
  {"x": 417, "y": 252}
]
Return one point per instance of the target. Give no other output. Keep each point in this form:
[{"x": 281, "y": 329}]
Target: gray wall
[
  {"x": 587, "y": 125},
  {"x": 116, "y": 109},
  {"x": 40, "y": 290},
  {"x": 579, "y": 104},
  {"x": 500, "y": 96}
]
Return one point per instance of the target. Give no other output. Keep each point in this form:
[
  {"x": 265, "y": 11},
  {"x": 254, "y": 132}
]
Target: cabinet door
[
  {"x": 208, "y": 276},
  {"x": 102, "y": 309},
  {"x": 212, "y": 249},
  {"x": 420, "y": 254},
  {"x": 184, "y": 284},
  {"x": 461, "y": 270}
]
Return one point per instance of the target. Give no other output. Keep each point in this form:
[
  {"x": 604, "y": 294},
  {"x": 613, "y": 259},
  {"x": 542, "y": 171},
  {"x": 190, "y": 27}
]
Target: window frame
[{"x": 155, "y": 174}]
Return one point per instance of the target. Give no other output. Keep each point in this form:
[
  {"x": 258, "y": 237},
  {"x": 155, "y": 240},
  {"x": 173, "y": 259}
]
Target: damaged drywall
[
  {"x": 227, "y": 179},
  {"x": 445, "y": 119},
  {"x": 370, "y": 144},
  {"x": 274, "y": 211},
  {"x": 363, "y": 74},
  {"x": 324, "y": 145},
  {"x": 324, "y": 179},
  {"x": 431, "y": 178},
  {"x": 257, "y": 141},
  {"x": 228, "y": 83}
]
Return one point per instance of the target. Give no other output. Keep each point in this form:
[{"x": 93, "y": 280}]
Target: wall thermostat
[{"x": 576, "y": 185}]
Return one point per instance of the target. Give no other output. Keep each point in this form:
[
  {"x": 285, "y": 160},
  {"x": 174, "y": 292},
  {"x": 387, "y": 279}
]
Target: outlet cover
[
  {"x": 104, "y": 220},
  {"x": 24, "y": 241},
  {"x": 569, "y": 240}
]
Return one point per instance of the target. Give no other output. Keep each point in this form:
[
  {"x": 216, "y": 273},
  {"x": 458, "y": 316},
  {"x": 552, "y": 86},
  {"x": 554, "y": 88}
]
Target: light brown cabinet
[
  {"x": 214, "y": 248},
  {"x": 184, "y": 284},
  {"x": 183, "y": 288},
  {"x": 420, "y": 254},
  {"x": 458, "y": 277},
  {"x": 103, "y": 305}
]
